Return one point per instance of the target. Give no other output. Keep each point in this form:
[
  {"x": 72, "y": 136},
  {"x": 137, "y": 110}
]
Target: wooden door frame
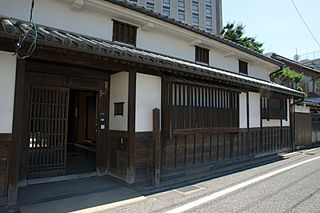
[{"x": 103, "y": 152}]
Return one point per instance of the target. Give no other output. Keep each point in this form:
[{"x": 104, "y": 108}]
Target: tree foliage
[
  {"x": 288, "y": 77},
  {"x": 235, "y": 33}
]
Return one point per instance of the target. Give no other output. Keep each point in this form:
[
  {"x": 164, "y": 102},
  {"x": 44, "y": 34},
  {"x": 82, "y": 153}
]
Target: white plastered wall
[
  {"x": 302, "y": 109},
  {"x": 7, "y": 88},
  {"x": 254, "y": 109},
  {"x": 148, "y": 97},
  {"x": 287, "y": 122},
  {"x": 165, "y": 44},
  {"x": 271, "y": 122},
  {"x": 258, "y": 71},
  {"x": 97, "y": 23},
  {"x": 243, "y": 110},
  {"x": 59, "y": 14},
  {"x": 218, "y": 60},
  {"x": 119, "y": 93}
]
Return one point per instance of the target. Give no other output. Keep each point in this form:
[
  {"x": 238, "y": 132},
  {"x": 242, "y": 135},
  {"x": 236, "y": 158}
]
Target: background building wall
[{"x": 215, "y": 16}]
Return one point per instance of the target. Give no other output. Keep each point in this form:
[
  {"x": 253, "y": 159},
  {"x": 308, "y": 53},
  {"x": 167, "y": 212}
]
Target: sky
[{"x": 277, "y": 24}]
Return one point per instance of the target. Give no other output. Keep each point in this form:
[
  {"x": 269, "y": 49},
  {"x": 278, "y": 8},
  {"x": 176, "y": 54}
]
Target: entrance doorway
[
  {"x": 63, "y": 132},
  {"x": 82, "y": 132}
]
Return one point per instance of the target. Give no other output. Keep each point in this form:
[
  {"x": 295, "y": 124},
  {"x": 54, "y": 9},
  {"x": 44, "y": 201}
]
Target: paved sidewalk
[{"x": 96, "y": 194}]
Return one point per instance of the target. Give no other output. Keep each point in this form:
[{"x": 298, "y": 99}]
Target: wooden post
[
  {"x": 131, "y": 167},
  {"x": 13, "y": 170},
  {"x": 156, "y": 148},
  {"x": 261, "y": 126},
  {"x": 248, "y": 125}
]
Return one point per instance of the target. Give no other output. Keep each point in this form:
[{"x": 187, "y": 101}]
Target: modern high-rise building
[{"x": 204, "y": 14}]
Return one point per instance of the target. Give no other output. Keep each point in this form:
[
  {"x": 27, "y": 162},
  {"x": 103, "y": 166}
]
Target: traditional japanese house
[
  {"x": 84, "y": 100},
  {"x": 307, "y": 128}
]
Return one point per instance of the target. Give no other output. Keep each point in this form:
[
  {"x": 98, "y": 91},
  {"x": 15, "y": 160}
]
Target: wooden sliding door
[{"x": 48, "y": 131}]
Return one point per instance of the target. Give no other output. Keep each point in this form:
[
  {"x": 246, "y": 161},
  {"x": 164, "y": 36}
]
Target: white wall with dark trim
[
  {"x": 94, "y": 18},
  {"x": 254, "y": 110},
  {"x": 119, "y": 84},
  {"x": 7, "y": 88},
  {"x": 243, "y": 110},
  {"x": 148, "y": 97}
]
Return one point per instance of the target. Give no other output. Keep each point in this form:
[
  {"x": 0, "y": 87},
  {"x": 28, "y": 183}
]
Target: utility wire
[
  {"x": 24, "y": 34},
  {"x": 305, "y": 22}
]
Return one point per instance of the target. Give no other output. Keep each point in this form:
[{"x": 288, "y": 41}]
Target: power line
[{"x": 305, "y": 22}]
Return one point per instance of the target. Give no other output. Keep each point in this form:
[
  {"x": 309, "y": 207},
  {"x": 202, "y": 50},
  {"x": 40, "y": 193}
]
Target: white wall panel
[
  {"x": 59, "y": 14},
  {"x": 243, "y": 110},
  {"x": 165, "y": 44},
  {"x": 7, "y": 88},
  {"x": 254, "y": 109},
  {"x": 148, "y": 97},
  {"x": 119, "y": 83}
]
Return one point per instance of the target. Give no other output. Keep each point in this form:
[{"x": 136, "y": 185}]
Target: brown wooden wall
[
  {"x": 186, "y": 150},
  {"x": 144, "y": 153},
  {"x": 119, "y": 153},
  {"x": 4, "y": 149},
  {"x": 303, "y": 129},
  {"x": 191, "y": 149}
]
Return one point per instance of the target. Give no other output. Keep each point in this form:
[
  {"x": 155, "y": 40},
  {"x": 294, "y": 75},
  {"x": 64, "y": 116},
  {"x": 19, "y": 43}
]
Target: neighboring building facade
[
  {"x": 100, "y": 69},
  {"x": 307, "y": 131},
  {"x": 202, "y": 14},
  {"x": 311, "y": 59}
]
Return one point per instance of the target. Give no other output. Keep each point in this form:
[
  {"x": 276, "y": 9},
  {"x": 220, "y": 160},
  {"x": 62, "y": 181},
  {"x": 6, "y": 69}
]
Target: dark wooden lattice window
[
  {"x": 274, "y": 107},
  {"x": 124, "y": 33},
  {"x": 202, "y": 55},
  {"x": 192, "y": 106},
  {"x": 243, "y": 67},
  {"x": 118, "y": 108}
]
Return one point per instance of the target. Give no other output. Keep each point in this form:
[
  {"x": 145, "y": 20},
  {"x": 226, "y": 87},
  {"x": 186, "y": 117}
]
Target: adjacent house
[
  {"x": 307, "y": 128},
  {"x": 85, "y": 99}
]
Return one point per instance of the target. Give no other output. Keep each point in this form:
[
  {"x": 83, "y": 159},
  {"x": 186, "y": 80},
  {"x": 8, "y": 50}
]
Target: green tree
[
  {"x": 235, "y": 33},
  {"x": 288, "y": 77}
]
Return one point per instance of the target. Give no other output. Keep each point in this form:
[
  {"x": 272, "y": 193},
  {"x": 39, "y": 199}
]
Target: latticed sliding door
[{"x": 48, "y": 131}]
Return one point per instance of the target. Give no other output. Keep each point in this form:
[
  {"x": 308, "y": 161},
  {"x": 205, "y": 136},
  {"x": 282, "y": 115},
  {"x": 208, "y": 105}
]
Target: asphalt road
[{"x": 289, "y": 185}]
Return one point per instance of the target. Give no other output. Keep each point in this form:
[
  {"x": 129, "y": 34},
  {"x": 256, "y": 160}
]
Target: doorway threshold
[{"x": 60, "y": 178}]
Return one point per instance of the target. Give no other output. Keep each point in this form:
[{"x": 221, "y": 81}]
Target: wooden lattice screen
[
  {"x": 190, "y": 106},
  {"x": 48, "y": 131}
]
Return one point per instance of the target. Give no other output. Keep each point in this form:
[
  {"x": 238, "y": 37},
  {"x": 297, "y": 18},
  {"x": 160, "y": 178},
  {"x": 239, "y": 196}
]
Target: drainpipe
[{"x": 275, "y": 72}]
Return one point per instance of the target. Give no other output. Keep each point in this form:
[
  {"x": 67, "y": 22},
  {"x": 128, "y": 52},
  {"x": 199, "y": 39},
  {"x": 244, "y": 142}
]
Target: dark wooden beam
[
  {"x": 248, "y": 125},
  {"x": 156, "y": 148},
  {"x": 5, "y": 137},
  {"x": 204, "y": 130},
  {"x": 13, "y": 170},
  {"x": 131, "y": 127},
  {"x": 261, "y": 124}
]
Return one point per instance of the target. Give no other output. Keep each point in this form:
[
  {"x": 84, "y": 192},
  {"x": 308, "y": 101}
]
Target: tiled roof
[
  {"x": 141, "y": 9},
  {"x": 52, "y": 36},
  {"x": 281, "y": 58}
]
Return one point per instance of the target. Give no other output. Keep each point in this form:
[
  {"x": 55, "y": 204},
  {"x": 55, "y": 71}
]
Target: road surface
[{"x": 288, "y": 185}]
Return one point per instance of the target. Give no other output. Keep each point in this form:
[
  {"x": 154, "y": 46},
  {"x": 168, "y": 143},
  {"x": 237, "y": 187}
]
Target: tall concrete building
[{"x": 203, "y": 14}]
